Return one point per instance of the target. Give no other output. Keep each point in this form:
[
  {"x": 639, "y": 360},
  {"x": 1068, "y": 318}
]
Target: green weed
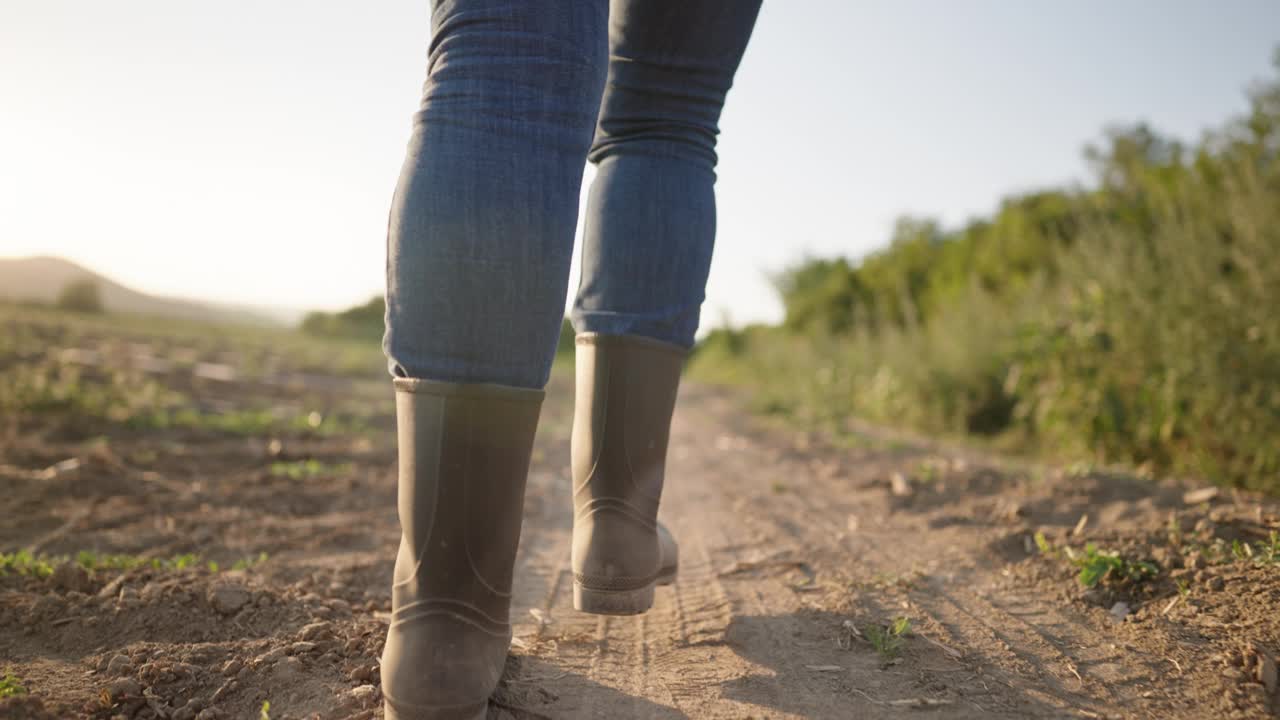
[
  {"x": 1043, "y": 544},
  {"x": 888, "y": 639},
  {"x": 90, "y": 560},
  {"x": 1099, "y": 565},
  {"x": 1264, "y": 552},
  {"x": 243, "y": 563},
  {"x": 1268, "y": 552},
  {"x": 248, "y": 562},
  {"x": 300, "y": 469},
  {"x": 42, "y": 566},
  {"x": 1241, "y": 551},
  {"x": 11, "y": 686},
  {"x": 23, "y": 563}
]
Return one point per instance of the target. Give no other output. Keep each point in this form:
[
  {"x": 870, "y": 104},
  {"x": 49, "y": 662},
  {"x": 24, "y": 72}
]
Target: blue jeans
[{"x": 519, "y": 94}]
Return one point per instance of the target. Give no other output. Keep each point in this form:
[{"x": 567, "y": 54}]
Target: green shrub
[
  {"x": 1133, "y": 322},
  {"x": 362, "y": 322},
  {"x": 80, "y": 296}
]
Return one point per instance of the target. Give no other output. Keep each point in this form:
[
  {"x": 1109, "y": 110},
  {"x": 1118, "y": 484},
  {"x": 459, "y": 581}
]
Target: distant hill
[{"x": 40, "y": 279}]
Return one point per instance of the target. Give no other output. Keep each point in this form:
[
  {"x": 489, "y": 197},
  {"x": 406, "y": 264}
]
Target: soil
[{"x": 797, "y": 552}]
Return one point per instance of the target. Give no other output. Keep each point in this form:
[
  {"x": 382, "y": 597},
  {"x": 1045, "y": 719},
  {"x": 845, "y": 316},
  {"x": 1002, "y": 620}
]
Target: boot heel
[{"x": 612, "y": 602}]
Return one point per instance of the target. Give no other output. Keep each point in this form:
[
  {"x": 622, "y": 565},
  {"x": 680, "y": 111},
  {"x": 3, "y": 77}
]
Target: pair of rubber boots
[{"x": 464, "y": 457}]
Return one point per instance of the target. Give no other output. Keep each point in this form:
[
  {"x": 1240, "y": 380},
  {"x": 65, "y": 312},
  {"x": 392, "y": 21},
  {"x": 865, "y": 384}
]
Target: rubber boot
[
  {"x": 626, "y": 391},
  {"x": 464, "y": 457}
]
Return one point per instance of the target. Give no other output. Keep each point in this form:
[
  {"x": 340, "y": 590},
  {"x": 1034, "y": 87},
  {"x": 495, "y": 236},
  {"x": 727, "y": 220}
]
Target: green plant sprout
[
  {"x": 887, "y": 640},
  {"x": 1098, "y": 565}
]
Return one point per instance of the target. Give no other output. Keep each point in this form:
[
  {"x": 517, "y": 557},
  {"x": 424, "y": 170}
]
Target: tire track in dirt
[
  {"x": 943, "y": 565},
  {"x": 588, "y": 666},
  {"x": 775, "y": 613},
  {"x": 707, "y": 648},
  {"x": 695, "y": 620}
]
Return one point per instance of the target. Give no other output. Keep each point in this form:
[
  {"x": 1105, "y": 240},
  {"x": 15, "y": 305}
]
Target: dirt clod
[
  {"x": 364, "y": 695},
  {"x": 228, "y": 598},
  {"x": 316, "y": 630},
  {"x": 119, "y": 665},
  {"x": 124, "y": 688},
  {"x": 71, "y": 577},
  {"x": 1120, "y": 610}
]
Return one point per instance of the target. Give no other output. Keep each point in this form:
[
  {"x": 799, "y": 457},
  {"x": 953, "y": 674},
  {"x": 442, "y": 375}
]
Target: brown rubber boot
[
  {"x": 464, "y": 456},
  {"x": 626, "y": 391}
]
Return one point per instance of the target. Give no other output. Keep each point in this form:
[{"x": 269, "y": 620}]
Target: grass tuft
[
  {"x": 888, "y": 639},
  {"x": 11, "y": 686}
]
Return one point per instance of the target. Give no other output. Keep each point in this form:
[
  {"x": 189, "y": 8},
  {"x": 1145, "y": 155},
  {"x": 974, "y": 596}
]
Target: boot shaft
[
  {"x": 464, "y": 458},
  {"x": 626, "y": 393}
]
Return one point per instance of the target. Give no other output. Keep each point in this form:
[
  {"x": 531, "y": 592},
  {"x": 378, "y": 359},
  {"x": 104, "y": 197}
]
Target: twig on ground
[
  {"x": 954, "y": 653},
  {"x": 919, "y": 702},
  {"x": 906, "y": 702},
  {"x": 863, "y": 694}
]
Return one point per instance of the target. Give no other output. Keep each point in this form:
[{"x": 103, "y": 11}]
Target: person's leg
[
  {"x": 651, "y": 213},
  {"x": 650, "y": 227},
  {"x": 478, "y": 255},
  {"x": 482, "y": 221}
]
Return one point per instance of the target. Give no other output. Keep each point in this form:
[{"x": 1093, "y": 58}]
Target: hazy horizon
[
  {"x": 246, "y": 155},
  {"x": 281, "y": 313}
]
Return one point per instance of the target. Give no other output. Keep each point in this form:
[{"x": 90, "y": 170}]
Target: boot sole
[{"x": 617, "y": 602}]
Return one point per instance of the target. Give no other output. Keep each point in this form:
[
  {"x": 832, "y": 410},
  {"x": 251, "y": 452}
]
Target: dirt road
[
  {"x": 798, "y": 557},
  {"x": 792, "y": 552}
]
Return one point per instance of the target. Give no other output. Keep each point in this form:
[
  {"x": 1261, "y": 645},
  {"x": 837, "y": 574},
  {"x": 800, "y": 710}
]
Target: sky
[{"x": 246, "y": 151}]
